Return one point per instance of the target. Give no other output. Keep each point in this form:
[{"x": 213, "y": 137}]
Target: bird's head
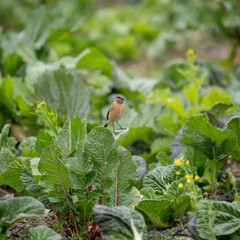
[{"x": 119, "y": 98}]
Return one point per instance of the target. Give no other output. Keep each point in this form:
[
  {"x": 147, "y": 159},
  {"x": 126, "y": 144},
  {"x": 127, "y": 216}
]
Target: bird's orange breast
[{"x": 116, "y": 113}]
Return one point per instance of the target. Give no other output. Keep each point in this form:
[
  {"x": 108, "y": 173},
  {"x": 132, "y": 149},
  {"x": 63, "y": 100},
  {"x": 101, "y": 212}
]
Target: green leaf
[
  {"x": 29, "y": 182},
  {"x": 6, "y": 93},
  {"x": 120, "y": 223},
  {"x": 6, "y": 157},
  {"x": 217, "y": 218},
  {"x": 24, "y": 107},
  {"x": 72, "y": 136},
  {"x": 12, "y": 64},
  {"x": 44, "y": 139},
  {"x": 12, "y": 174},
  {"x": 122, "y": 81},
  {"x": 161, "y": 144},
  {"x": 164, "y": 159},
  {"x": 93, "y": 59},
  {"x": 124, "y": 173},
  {"x": 55, "y": 171},
  {"x": 160, "y": 178},
  {"x": 101, "y": 147},
  {"x": 234, "y": 125},
  {"x": 68, "y": 92},
  {"x": 213, "y": 142},
  {"x": 27, "y": 147},
  {"x": 44, "y": 233},
  {"x": 15, "y": 209},
  {"x": 219, "y": 108},
  {"x": 141, "y": 171}
]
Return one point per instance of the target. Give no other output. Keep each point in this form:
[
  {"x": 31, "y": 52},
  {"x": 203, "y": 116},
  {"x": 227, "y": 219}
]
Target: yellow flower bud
[
  {"x": 190, "y": 53},
  {"x": 177, "y": 173},
  {"x": 187, "y": 162},
  {"x": 42, "y": 104},
  {"x": 187, "y": 176},
  {"x": 188, "y": 180}
]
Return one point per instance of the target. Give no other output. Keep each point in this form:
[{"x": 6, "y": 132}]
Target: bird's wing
[{"x": 110, "y": 109}]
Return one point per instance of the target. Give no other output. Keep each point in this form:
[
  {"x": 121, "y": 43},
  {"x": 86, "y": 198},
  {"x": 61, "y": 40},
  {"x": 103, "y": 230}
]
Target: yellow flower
[
  {"x": 181, "y": 158},
  {"x": 42, "y": 104},
  {"x": 196, "y": 177},
  {"x": 178, "y": 162},
  {"x": 36, "y": 111},
  {"x": 187, "y": 162},
  {"x": 188, "y": 180},
  {"x": 190, "y": 53},
  {"x": 180, "y": 185},
  {"x": 177, "y": 173},
  {"x": 187, "y": 176}
]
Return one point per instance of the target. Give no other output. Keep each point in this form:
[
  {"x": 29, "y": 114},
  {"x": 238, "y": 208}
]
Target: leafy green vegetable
[
  {"x": 217, "y": 218},
  {"x": 15, "y": 209},
  {"x": 120, "y": 223},
  {"x": 44, "y": 233},
  {"x": 213, "y": 142}
]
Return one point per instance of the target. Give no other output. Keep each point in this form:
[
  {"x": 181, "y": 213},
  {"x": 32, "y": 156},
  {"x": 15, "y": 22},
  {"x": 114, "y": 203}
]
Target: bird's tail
[{"x": 106, "y": 124}]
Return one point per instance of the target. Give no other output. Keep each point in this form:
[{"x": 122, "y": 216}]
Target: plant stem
[
  {"x": 116, "y": 194},
  {"x": 68, "y": 202},
  {"x": 104, "y": 176}
]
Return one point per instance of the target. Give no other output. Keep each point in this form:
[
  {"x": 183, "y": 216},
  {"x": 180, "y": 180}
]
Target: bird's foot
[{"x": 122, "y": 128}]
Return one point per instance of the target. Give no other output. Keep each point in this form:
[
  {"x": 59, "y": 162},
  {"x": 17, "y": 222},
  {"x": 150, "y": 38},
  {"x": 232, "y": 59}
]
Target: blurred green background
[{"x": 78, "y": 54}]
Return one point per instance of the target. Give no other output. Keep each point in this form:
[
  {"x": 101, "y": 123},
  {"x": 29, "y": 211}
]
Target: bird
[{"x": 115, "y": 111}]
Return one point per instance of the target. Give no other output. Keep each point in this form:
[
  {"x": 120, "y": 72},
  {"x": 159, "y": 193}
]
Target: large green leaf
[
  {"x": 68, "y": 92},
  {"x": 217, "y": 218},
  {"x": 124, "y": 173},
  {"x": 15, "y": 209},
  {"x": 55, "y": 172},
  {"x": 11, "y": 176},
  {"x": 93, "y": 59},
  {"x": 72, "y": 136},
  {"x": 160, "y": 178},
  {"x": 44, "y": 233},
  {"x": 120, "y": 223},
  {"x": 234, "y": 125},
  {"x": 213, "y": 142},
  {"x": 43, "y": 140},
  {"x": 101, "y": 147}
]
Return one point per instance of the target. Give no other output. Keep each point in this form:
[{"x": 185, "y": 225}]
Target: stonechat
[{"x": 115, "y": 111}]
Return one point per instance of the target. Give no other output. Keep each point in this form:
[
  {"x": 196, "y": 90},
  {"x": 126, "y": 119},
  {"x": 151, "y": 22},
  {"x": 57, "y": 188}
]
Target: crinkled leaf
[
  {"x": 15, "y": 209},
  {"x": 213, "y": 142},
  {"x": 160, "y": 178},
  {"x": 55, "y": 172},
  {"x": 120, "y": 223},
  {"x": 44, "y": 233},
  {"x": 217, "y": 218}
]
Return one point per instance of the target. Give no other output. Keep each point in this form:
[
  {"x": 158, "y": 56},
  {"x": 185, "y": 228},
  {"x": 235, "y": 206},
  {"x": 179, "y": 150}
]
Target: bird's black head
[{"x": 119, "y": 98}]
